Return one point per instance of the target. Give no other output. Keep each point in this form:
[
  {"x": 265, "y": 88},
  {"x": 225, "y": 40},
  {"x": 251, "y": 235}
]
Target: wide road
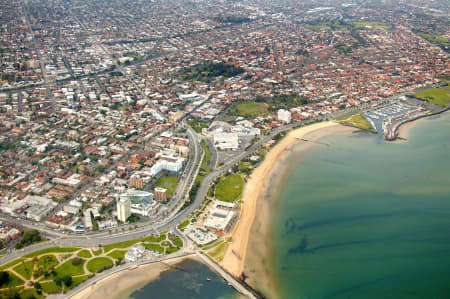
[{"x": 38, "y": 53}]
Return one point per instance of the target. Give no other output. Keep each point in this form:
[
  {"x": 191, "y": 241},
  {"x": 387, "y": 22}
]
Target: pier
[
  {"x": 242, "y": 288},
  {"x": 236, "y": 283}
]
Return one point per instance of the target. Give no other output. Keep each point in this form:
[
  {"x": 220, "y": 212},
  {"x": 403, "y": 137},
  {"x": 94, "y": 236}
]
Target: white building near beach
[
  {"x": 221, "y": 216},
  {"x": 134, "y": 253},
  {"x": 284, "y": 116},
  {"x": 226, "y": 141}
]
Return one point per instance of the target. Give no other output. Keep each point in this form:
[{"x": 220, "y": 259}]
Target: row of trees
[{"x": 29, "y": 237}]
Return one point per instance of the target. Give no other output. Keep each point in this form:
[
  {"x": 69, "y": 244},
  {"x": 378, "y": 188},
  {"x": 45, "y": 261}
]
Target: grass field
[
  {"x": 249, "y": 109},
  {"x": 45, "y": 263},
  {"x": 444, "y": 78},
  {"x": 25, "y": 269},
  {"x": 52, "y": 250},
  {"x": 437, "y": 39},
  {"x": 78, "y": 280},
  {"x": 168, "y": 182},
  {"x": 97, "y": 263},
  {"x": 67, "y": 268},
  {"x": 208, "y": 154},
  {"x": 42, "y": 269},
  {"x": 154, "y": 247},
  {"x": 357, "y": 121},
  {"x": 116, "y": 254},
  {"x": 324, "y": 26},
  {"x": 176, "y": 241},
  {"x": 204, "y": 167},
  {"x": 120, "y": 245},
  {"x": 97, "y": 252},
  {"x": 14, "y": 281},
  {"x": 229, "y": 188},
  {"x": 336, "y": 25},
  {"x": 437, "y": 96},
  {"x": 85, "y": 254},
  {"x": 170, "y": 250},
  {"x": 370, "y": 25},
  {"x": 10, "y": 264},
  {"x": 183, "y": 224},
  {"x": 155, "y": 239},
  {"x": 50, "y": 287},
  {"x": 198, "y": 125},
  {"x": 219, "y": 251},
  {"x": 30, "y": 293}
]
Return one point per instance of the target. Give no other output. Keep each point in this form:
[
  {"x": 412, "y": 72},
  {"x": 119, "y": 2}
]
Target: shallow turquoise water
[{"x": 362, "y": 218}]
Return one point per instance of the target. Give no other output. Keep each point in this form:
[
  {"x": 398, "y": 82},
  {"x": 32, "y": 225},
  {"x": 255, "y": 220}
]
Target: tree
[
  {"x": 77, "y": 261},
  {"x": 58, "y": 281},
  {"x": 4, "y": 277},
  {"x": 11, "y": 294},
  {"x": 29, "y": 237},
  {"x": 67, "y": 279}
]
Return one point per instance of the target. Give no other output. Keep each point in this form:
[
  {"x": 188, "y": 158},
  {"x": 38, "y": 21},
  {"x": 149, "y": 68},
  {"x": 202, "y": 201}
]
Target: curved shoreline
[
  {"x": 403, "y": 133},
  {"x": 250, "y": 229},
  {"x": 125, "y": 281},
  {"x": 236, "y": 257}
]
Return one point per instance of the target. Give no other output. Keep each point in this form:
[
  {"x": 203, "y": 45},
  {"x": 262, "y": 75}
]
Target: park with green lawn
[
  {"x": 57, "y": 270},
  {"x": 249, "y": 109},
  {"x": 357, "y": 121},
  {"x": 229, "y": 188},
  {"x": 168, "y": 182},
  {"x": 198, "y": 125},
  {"x": 217, "y": 249},
  {"x": 437, "y": 96}
]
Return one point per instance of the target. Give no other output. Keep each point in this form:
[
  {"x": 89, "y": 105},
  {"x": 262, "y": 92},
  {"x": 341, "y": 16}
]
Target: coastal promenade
[
  {"x": 232, "y": 281},
  {"x": 108, "y": 273}
]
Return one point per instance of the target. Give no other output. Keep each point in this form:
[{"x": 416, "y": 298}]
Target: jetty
[{"x": 241, "y": 287}]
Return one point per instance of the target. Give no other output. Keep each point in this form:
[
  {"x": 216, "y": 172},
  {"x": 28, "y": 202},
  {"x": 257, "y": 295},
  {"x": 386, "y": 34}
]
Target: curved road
[{"x": 105, "y": 238}]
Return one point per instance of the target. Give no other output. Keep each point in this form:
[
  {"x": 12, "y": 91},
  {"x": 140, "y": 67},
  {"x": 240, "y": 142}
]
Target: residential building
[
  {"x": 160, "y": 194},
  {"x": 123, "y": 209}
]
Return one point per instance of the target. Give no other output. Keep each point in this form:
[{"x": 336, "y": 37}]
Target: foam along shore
[
  {"x": 123, "y": 283},
  {"x": 255, "y": 190}
]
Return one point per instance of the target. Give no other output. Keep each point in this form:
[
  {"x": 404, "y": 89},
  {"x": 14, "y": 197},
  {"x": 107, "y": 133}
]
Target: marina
[{"x": 387, "y": 119}]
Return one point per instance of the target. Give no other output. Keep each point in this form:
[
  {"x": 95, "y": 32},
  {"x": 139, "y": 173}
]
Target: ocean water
[
  {"x": 364, "y": 218},
  {"x": 187, "y": 280}
]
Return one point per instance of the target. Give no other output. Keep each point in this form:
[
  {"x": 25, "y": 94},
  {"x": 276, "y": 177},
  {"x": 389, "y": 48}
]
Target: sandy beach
[
  {"x": 253, "y": 225},
  {"x": 403, "y": 130},
  {"x": 237, "y": 259},
  {"x": 122, "y": 283}
]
